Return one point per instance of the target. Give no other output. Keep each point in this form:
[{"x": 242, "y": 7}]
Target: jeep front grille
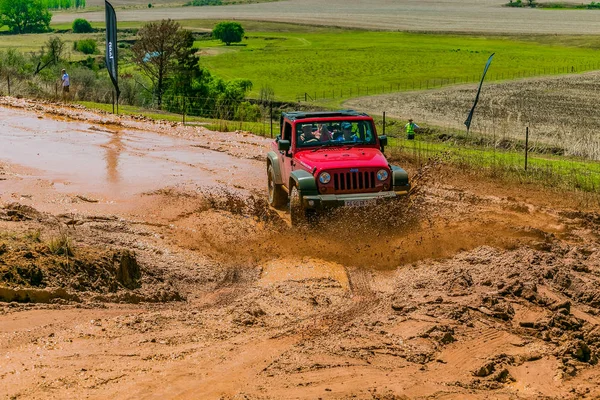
[{"x": 351, "y": 181}]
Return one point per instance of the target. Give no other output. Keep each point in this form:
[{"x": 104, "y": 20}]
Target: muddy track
[{"x": 189, "y": 286}]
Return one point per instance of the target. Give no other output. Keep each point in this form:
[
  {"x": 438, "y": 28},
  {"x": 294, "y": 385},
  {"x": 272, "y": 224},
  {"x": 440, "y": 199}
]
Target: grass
[
  {"x": 34, "y": 42},
  {"x": 553, "y": 171},
  {"x": 61, "y": 245},
  {"x": 337, "y": 66},
  {"x": 258, "y": 128},
  {"x": 135, "y": 110}
]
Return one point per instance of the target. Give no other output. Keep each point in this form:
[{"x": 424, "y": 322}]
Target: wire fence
[
  {"x": 527, "y": 160},
  {"x": 432, "y": 83},
  {"x": 257, "y": 117}
]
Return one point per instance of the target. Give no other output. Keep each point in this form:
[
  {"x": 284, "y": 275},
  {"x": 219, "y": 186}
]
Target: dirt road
[{"x": 172, "y": 279}]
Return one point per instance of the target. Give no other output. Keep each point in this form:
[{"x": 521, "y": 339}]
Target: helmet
[{"x": 346, "y": 125}]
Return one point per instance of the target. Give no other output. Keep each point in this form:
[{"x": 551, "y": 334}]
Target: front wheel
[
  {"x": 297, "y": 212},
  {"x": 277, "y": 196}
]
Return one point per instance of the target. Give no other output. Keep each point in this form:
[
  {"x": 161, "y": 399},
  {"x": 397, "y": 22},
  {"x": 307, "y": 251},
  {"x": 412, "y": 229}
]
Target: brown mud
[{"x": 192, "y": 287}]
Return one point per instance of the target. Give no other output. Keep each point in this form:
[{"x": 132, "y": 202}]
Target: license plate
[{"x": 359, "y": 203}]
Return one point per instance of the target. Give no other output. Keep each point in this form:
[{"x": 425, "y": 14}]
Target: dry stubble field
[{"x": 560, "y": 111}]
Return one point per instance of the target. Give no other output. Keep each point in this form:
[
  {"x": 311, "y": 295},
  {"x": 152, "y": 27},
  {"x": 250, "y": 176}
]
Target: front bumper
[{"x": 325, "y": 201}]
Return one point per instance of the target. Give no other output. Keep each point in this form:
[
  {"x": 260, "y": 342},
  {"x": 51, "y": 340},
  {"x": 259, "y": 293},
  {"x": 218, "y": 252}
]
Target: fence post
[
  {"x": 183, "y": 111},
  {"x": 526, "y": 145},
  {"x": 383, "y": 133},
  {"x": 305, "y": 96},
  {"x": 8, "y": 79},
  {"x": 271, "y": 116}
]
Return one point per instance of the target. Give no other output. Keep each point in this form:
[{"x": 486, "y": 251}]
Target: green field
[
  {"x": 331, "y": 65},
  {"x": 336, "y": 65}
]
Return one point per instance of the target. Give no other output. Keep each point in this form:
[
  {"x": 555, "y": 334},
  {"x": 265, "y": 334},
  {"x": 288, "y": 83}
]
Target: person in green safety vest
[{"x": 410, "y": 129}]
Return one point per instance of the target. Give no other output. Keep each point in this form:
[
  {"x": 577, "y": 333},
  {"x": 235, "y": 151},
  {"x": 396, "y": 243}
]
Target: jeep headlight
[
  {"x": 324, "y": 178},
  {"x": 382, "y": 174}
]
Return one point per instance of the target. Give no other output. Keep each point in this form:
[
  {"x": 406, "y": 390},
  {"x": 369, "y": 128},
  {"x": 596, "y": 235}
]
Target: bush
[
  {"x": 86, "y": 46},
  {"x": 247, "y": 112},
  {"x": 81, "y": 25}
]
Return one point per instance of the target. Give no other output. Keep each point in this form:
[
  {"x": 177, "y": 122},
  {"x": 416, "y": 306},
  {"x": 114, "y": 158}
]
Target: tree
[
  {"x": 228, "y": 32},
  {"x": 81, "y": 25},
  {"x": 25, "y": 16},
  {"x": 51, "y": 54},
  {"x": 162, "y": 50}
]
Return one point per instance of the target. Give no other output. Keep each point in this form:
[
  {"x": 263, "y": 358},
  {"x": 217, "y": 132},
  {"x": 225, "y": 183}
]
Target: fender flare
[
  {"x": 273, "y": 159},
  {"x": 399, "y": 176},
  {"x": 304, "y": 181}
]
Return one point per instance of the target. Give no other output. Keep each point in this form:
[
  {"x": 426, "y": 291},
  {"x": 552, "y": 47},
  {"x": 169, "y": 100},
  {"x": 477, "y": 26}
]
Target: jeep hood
[{"x": 330, "y": 158}]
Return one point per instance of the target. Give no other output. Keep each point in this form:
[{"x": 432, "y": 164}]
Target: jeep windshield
[{"x": 331, "y": 133}]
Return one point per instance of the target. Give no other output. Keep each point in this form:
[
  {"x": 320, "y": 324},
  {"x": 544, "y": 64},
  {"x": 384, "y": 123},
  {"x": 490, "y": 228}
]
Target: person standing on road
[
  {"x": 410, "y": 129},
  {"x": 66, "y": 83}
]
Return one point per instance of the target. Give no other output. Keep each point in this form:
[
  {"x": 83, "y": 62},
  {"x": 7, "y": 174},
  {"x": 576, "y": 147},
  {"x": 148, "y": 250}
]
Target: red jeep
[{"x": 329, "y": 159}]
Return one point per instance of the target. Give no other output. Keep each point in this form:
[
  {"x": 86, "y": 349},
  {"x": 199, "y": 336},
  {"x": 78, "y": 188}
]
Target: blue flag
[{"x": 470, "y": 117}]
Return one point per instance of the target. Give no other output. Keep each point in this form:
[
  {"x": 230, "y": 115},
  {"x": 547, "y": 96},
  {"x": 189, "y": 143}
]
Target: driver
[{"x": 308, "y": 136}]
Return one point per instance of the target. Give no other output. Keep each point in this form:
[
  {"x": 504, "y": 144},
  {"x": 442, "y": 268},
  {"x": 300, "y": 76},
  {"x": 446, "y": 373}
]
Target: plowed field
[{"x": 489, "y": 16}]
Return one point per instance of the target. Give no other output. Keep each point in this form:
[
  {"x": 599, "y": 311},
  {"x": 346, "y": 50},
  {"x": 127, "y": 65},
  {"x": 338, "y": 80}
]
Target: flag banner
[
  {"x": 470, "y": 117},
  {"x": 111, "y": 45}
]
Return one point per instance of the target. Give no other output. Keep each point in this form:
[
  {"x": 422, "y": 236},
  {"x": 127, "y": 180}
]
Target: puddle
[{"x": 80, "y": 157}]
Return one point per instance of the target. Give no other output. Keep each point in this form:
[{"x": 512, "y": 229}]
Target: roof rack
[{"x": 294, "y": 115}]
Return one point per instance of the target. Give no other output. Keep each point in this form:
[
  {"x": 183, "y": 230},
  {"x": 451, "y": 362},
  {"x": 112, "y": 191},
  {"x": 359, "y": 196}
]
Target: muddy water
[{"x": 108, "y": 161}]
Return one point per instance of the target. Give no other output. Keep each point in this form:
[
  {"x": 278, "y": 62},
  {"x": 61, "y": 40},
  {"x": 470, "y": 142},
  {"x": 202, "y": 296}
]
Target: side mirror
[
  {"x": 383, "y": 142},
  {"x": 283, "y": 145}
]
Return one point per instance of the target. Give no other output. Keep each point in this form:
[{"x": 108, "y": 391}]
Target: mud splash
[{"x": 238, "y": 229}]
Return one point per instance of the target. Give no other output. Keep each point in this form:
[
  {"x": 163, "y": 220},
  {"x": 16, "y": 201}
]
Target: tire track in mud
[
  {"x": 361, "y": 300},
  {"x": 235, "y": 284}
]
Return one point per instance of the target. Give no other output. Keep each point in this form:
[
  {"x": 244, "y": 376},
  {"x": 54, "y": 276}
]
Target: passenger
[
  {"x": 347, "y": 135},
  {"x": 325, "y": 135}
]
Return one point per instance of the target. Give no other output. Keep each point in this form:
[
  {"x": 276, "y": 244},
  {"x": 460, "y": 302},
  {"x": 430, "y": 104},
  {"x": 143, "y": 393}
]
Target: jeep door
[{"x": 286, "y": 159}]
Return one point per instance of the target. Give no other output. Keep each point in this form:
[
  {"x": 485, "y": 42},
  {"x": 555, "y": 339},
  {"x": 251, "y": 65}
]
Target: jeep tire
[
  {"x": 297, "y": 212},
  {"x": 277, "y": 196}
]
